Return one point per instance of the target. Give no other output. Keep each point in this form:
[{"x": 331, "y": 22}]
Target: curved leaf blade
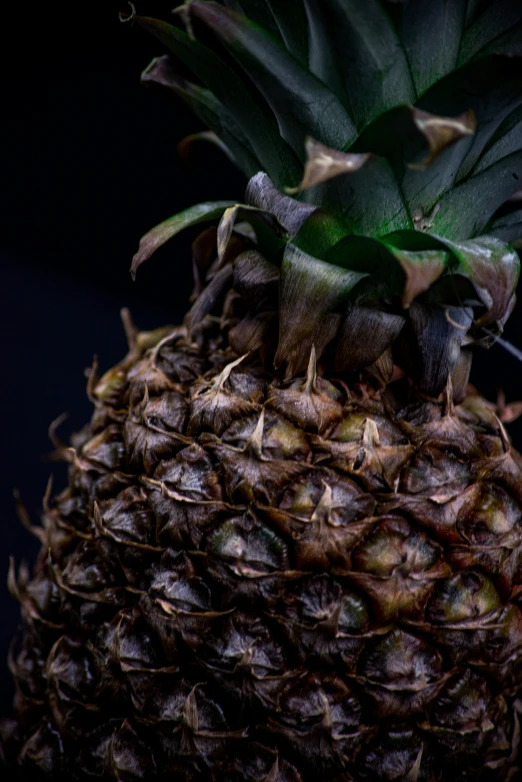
[
  {"x": 249, "y": 214},
  {"x": 363, "y": 336},
  {"x": 300, "y": 102},
  {"x": 371, "y": 58},
  {"x": 431, "y": 34},
  {"x": 311, "y": 293},
  {"x": 274, "y": 154},
  {"x": 323, "y": 163},
  {"x": 421, "y": 269},
  {"x": 157, "y": 236},
  {"x": 291, "y": 214},
  {"x": 495, "y": 21},
  {"x": 322, "y": 61},
  {"x": 161, "y": 73},
  {"x": 290, "y": 18},
  {"x": 506, "y": 140},
  {"x": 494, "y": 268},
  {"x": 441, "y": 132},
  {"x": 467, "y": 209},
  {"x": 492, "y": 88}
]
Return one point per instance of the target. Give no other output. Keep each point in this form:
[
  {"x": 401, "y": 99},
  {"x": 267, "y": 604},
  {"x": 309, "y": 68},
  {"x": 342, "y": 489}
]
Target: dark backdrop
[{"x": 89, "y": 164}]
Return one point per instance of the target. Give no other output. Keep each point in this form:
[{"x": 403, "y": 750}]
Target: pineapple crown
[{"x": 383, "y": 145}]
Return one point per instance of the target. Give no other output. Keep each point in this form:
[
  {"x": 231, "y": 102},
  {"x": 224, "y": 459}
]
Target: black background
[{"x": 89, "y": 163}]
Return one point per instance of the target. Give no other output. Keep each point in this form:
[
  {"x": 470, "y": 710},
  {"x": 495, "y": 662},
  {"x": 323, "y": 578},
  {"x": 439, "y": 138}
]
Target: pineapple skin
[{"x": 250, "y": 579}]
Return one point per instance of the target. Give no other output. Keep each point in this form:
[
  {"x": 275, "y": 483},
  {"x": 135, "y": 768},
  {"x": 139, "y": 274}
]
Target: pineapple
[{"x": 290, "y": 547}]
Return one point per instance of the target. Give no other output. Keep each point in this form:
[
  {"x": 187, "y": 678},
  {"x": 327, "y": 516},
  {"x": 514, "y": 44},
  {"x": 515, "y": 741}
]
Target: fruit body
[
  {"x": 290, "y": 548},
  {"x": 233, "y": 587}
]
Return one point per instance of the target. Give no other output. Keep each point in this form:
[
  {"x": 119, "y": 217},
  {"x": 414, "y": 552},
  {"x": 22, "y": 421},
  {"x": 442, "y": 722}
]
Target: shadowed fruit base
[{"x": 253, "y": 580}]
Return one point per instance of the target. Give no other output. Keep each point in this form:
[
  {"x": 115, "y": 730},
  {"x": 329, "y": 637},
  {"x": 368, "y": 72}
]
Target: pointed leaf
[
  {"x": 289, "y": 213},
  {"x": 371, "y": 58},
  {"x": 493, "y": 268},
  {"x": 393, "y": 270},
  {"x": 300, "y": 102},
  {"x": 323, "y": 163},
  {"x": 184, "y": 146},
  {"x": 490, "y": 25},
  {"x": 249, "y": 214},
  {"x": 161, "y": 233},
  {"x": 466, "y": 210},
  {"x": 423, "y": 27},
  {"x": 410, "y": 137},
  {"x": 492, "y": 89},
  {"x": 441, "y": 132},
  {"x": 487, "y": 262},
  {"x": 311, "y": 291},
  {"x": 275, "y": 156},
  {"x": 421, "y": 269},
  {"x": 206, "y": 106}
]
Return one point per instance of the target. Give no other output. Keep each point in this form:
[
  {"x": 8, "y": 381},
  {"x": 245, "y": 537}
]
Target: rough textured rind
[{"x": 268, "y": 581}]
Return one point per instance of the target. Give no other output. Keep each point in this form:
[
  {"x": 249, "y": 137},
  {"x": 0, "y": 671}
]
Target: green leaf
[
  {"x": 259, "y": 12},
  {"x": 394, "y": 270},
  {"x": 492, "y": 89},
  {"x": 410, "y": 137},
  {"x": 371, "y": 58},
  {"x": 274, "y": 154},
  {"x": 490, "y": 26},
  {"x": 466, "y": 210},
  {"x": 290, "y": 18},
  {"x": 475, "y": 8},
  {"x": 322, "y": 59},
  {"x": 508, "y": 228},
  {"x": 366, "y": 201},
  {"x": 431, "y": 34},
  {"x": 161, "y": 233},
  {"x": 506, "y": 140},
  {"x": 206, "y": 106},
  {"x": 358, "y": 253},
  {"x": 285, "y": 21},
  {"x": 486, "y": 262},
  {"x": 509, "y": 43},
  {"x": 319, "y": 234},
  {"x": 300, "y": 102},
  {"x": 311, "y": 293}
]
